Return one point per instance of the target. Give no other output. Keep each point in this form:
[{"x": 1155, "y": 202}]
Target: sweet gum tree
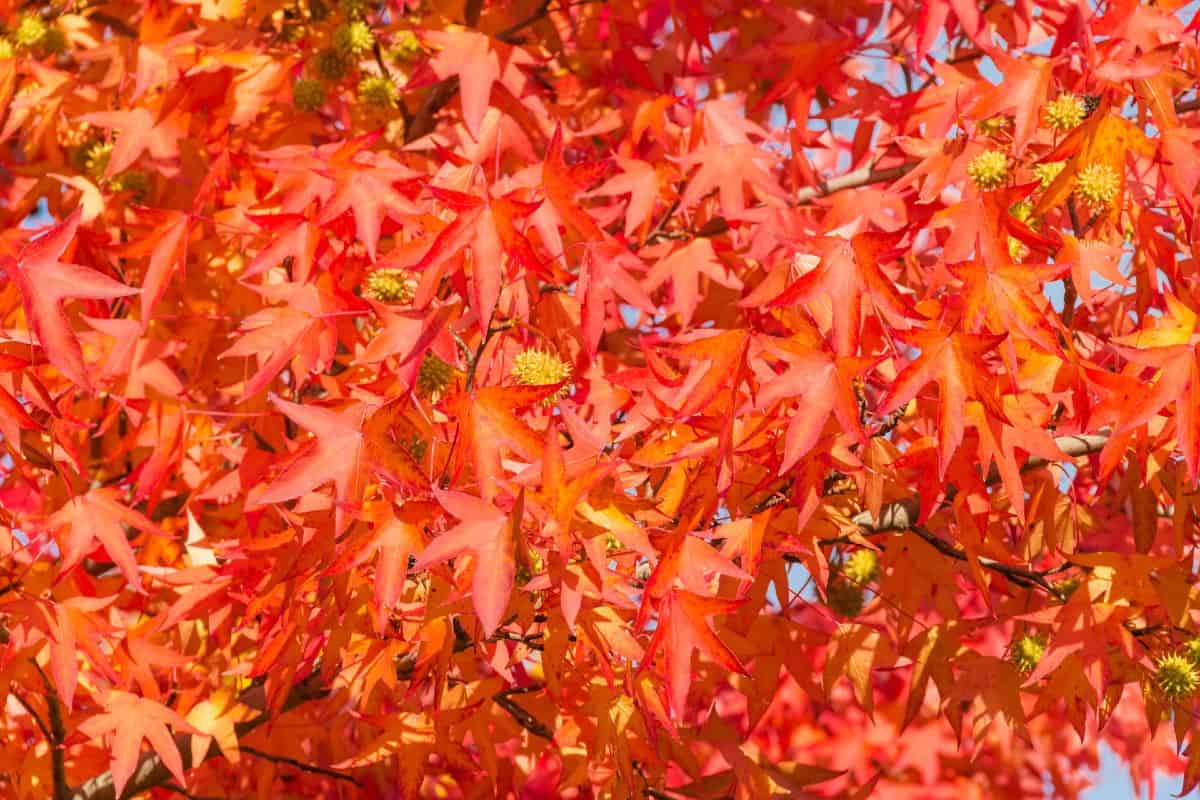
[{"x": 539, "y": 398}]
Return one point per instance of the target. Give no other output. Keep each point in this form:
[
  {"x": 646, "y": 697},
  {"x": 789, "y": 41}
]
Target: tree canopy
[{"x": 558, "y": 398}]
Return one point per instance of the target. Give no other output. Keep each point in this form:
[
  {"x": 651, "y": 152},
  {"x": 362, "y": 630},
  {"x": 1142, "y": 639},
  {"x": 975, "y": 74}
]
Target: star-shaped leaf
[{"x": 45, "y": 282}]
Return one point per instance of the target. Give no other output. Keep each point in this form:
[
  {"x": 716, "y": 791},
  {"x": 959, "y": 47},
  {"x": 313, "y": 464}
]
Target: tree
[{"x": 571, "y": 399}]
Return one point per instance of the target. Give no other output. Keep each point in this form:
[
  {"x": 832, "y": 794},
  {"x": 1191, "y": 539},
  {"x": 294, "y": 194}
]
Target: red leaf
[
  {"x": 45, "y": 282},
  {"x": 488, "y": 533},
  {"x": 129, "y": 719}
]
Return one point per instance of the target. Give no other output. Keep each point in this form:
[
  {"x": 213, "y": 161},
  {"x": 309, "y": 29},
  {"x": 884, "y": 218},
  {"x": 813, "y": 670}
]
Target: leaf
[
  {"x": 129, "y": 719},
  {"x": 489, "y": 534},
  {"x": 469, "y": 55},
  {"x": 684, "y": 267},
  {"x": 604, "y": 282},
  {"x": 640, "y": 181},
  {"x": 682, "y": 628},
  {"x": 488, "y": 427},
  {"x": 99, "y": 515},
  {"x": 139, "y": 131},
  {"x": 167, "y": 248},
  {"x": 562, "y": 183},
  {"x": 300, "y": 332},
  {"x": 350, "y": 446},
  {"x": 848, "y": 278},
  {"x": 366, "y": 190},
  {"x": 45, "y": 282},
  {"x": 953, "y": 360}
]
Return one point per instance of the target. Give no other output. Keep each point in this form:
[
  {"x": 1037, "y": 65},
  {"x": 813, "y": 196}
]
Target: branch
[
  {"x": 1183, "y": 106},
  {"x": 55, "y": 737},
  {"x": 902, "y": 514},
  {"x": 151, "y": 772},
  {"x": 526, "y": 720},
  {"x": 863, "y": 176},
  {"x": 300, "y": 765},
  {"x": 424, "y": 121}
]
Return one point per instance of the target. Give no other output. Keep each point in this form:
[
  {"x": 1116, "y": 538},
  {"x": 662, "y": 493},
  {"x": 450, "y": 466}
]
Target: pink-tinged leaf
[
  {"x": 169, "y": 255},
  {"x": 139, "y": 132},
  {"x": 99, "y": 515},
  {"x": 127, "y": 720},
  {"x": 639, "y": 180},
  {"x": 468, "y": 55},
  {"x": 684, "y": 268},
  {"x": 487, "y": 533},
  {"x": 298, "y": 242},
  {"x": 350, "y": 445},
  {"x": 683, "y": 627},
  {"x": 45, "y": 282}
]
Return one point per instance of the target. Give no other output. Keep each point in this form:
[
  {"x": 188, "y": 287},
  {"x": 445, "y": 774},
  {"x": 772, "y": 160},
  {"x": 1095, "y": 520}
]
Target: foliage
[{"x": 437, "y": 398}]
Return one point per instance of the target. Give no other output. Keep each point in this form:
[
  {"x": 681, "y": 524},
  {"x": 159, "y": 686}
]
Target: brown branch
[
  {"x": 902, "y": 514},
  {"x": 151, "y": 772},
  {"x": 1183, "y": 106},
  {"x": 115, "y": 24},
  {"x": 864, "y": 176},
  {"x": 526, "y": 720},
  {"x": 509, "y": 33},
  {"x": 300, "y": 765},
  {"x": 55, "y": 737}
]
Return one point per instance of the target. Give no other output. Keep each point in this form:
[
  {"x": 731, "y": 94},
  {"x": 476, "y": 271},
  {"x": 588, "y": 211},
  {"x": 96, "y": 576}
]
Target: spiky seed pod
[
  {"x": 434, "y": 376},
  {"x": 1027, "y": 652},
  {"x": 390, "y": 286},
  {"x": 29, "y": 32},
  {"x": 405, "y": 47},
  {"x": 54, "y": 41},
  {"x": 95, "y": 162},
  {"x": 131, "y": 180},
  {"x": 7, "y": 50},
  {"x": 534, "y": 367},
  {"x": 988, "y": 170},
  {"x": 1097, "y": 185},
  {"x": 1046, "y": 173},
  {"x": 1066, "y": 587},
  {"x": 1176, "y": 676},
  {"x": 417, "y": 448},
  {"x": 1064, "y": 112},
  {"x": 308, "y": 94},
  {"x": 844, "y": 597},
  {"x": 1022, "y": 210},
  {"x": 1017, "y": 250},
  {"x": 862, "y": 566},
  {"x": 353, "y": 38},
  {"x": 331, "y": 65},
  {"x": 74, "y": 134},
  {"x": 1192, "y": 650},
  {"x": 993, "y": 126},
  {"x": 377, "y": 91}
]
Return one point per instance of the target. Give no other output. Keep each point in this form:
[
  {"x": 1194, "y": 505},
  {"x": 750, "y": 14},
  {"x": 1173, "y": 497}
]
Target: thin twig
[
  {"x": 300, "y": 765},
  {"x": 182, "y": 792},
  {"x": 863, "y": 176},
  {"x": 150, "y": 771},
  {"x": 526, "y": 720},
  {"x": 37, "y": 718},
  {"x": 902, "y": 514}
]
